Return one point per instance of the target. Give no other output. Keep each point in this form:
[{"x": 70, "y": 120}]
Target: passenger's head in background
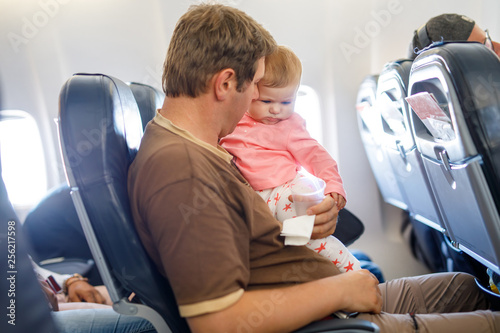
[
  {"x": 450, "y": 27},
  {"x": 278, "y": 88},
  {"x": 207, "y": 39}
]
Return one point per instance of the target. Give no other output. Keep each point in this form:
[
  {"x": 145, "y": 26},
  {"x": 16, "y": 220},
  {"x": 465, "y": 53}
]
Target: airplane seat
[
  {"x": 52, "y": 226},
  {"x": 454, "y": 91},
  {"x": 56, "y": 236},
  {"x": 97, "y": 175},
  {"x": 148, "y": 99},
  {"x": 422, "y": 224},
  {"x": 370, "y": 129},
  {"x": 26, "y": 308},
  {"x": 400, "y": 145},
  {"x": 105, "y": 108}
]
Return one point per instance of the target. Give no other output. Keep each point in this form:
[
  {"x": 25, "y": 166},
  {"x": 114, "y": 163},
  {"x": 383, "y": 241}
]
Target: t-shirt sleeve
[{"x": 203, "y": 247}]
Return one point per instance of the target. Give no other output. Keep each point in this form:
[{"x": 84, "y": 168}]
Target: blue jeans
[{"x": 99, "y": 321}]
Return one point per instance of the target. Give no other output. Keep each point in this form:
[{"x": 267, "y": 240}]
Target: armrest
[{"x": 351, "y": 325}]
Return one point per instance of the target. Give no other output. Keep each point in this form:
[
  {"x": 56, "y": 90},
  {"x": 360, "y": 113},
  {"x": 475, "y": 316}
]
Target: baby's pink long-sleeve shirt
[{"x": 270, "y": 155}]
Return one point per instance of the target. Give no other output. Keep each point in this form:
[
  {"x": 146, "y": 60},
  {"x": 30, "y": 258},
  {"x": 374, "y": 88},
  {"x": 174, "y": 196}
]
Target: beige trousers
[{"x": 441, "y": 302}]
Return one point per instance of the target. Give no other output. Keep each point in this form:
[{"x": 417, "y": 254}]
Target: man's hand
[
  {"x": 82, "y": 291},
  {"x": 326, "y": 218},
  {"x": 360, "y": 291}
]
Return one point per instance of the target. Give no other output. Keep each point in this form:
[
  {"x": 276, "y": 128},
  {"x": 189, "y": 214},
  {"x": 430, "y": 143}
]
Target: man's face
[{"x": 479, "y": 35}]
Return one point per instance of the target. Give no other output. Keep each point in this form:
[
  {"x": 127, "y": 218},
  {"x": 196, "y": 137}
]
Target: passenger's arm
[
  {"x": 82, "y": 291},
  {"x": 287, "y": 309}
]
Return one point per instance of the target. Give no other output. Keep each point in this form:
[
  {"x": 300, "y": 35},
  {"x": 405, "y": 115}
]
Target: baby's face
[{"x": 273, "y": 104}]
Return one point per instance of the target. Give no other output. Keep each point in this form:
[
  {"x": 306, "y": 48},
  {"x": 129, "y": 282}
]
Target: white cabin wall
[{"x": 128, "y": 39}]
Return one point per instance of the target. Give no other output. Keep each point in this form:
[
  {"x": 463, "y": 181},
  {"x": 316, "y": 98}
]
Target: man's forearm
[{"x": 287, "y": 309}]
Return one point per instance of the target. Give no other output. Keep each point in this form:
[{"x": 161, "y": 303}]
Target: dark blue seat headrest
[
  {"x": 148, "y": 99},
  {"x": 105, "y": 140}
]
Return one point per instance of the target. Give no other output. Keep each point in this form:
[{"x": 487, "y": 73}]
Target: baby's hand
[{"x": 338, "y": 199}]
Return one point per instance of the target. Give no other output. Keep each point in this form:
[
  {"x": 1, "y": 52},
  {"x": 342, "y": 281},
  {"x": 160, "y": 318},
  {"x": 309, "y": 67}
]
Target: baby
[{"x": 271, "y": 144}]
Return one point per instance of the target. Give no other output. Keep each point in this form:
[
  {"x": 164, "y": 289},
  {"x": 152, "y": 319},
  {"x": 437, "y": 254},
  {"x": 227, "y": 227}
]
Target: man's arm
[{"x": 287, "y": 309}]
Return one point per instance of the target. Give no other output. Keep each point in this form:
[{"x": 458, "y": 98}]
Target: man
[
  {"x": 214, "y": 237},
  {"x": 450, "y": 27}
]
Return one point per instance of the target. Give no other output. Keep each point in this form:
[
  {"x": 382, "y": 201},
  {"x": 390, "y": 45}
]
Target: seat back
[
  {"x": 400, "y": 145},
  {"x": 371, "y": 131},
  {"x": 455, "y": 94},
  {"x": 26, "y": 308},
  {"x": 100, "y": 131},
  {"x": 148, "y": 99},
  {"x": 53, "y": 216},
  {"x": 349, "y": 227}
]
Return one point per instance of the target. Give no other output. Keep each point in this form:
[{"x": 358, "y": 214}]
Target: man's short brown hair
[{"x": 210, "y": 38}]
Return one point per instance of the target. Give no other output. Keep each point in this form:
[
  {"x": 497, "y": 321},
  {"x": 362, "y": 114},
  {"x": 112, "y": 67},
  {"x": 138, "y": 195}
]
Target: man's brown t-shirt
[{"x": 205, "y": 227}]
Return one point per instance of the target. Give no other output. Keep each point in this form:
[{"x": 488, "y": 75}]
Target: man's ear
[{"x": 224, "y": 82}]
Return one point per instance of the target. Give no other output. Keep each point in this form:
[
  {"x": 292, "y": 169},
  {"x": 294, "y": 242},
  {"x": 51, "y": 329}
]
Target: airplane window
[
  {"x": 307, "y": 106},
  {"x": 23, "y": 164}
]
